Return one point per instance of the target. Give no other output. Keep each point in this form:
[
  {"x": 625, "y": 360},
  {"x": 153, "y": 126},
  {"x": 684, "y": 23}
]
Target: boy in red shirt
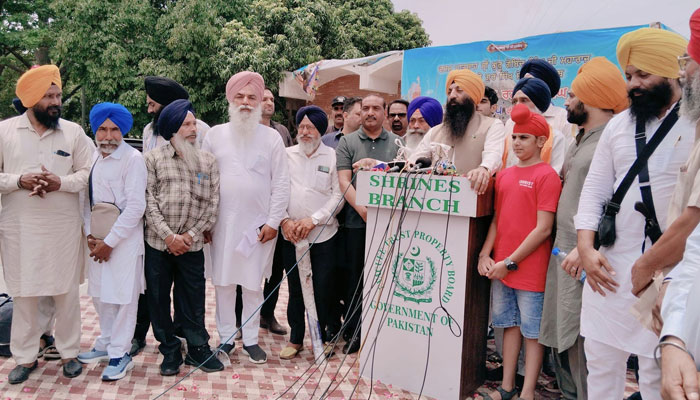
[{"x": 520, "y": 237}]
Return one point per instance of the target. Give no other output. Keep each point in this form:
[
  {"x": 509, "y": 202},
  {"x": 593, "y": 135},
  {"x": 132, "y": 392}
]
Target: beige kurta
[
  {"x": 561, "y": 310},
  {"x": 482, "y": 144},
  {"x": 41, "y": 240}
]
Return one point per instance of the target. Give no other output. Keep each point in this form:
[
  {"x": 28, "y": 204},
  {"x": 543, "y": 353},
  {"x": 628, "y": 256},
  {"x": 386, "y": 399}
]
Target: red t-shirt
[{"x": 520, "y": 193}]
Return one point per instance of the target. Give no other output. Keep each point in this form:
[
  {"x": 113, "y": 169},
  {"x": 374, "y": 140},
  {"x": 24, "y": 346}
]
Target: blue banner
[{"x": 498, "y": 63}]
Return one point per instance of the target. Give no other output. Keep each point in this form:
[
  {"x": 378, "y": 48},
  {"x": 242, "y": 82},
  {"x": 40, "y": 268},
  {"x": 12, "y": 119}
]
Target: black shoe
[
  {"x": 271, "y": 324},
  {"x": 136, "y": 347},
  {"x": 203, "y": 357},
  {"x": 353, "y": 346},
  {"x": 20, "y": 374},
  {"x": 228, "y": 348},
  {"x": 331, "y": 334},
  {"x": 635, "y": 396},
  {"x": 72, "y": 368},
  {"x": 171, "y": 363},
  {"x": 256, "y": 355}
]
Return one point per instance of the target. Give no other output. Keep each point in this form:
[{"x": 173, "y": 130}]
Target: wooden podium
[{"x": 423, "y": 268}]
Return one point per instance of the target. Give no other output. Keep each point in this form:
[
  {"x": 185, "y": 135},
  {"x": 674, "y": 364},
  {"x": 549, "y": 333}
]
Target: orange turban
[
  {"x": 652, "y": 50},
  {"x": 33, "y": 84},
  {"x": 468, "y": 81},
  {"x": 600, "y": 84},
  {"x": 241, "y": 80}
]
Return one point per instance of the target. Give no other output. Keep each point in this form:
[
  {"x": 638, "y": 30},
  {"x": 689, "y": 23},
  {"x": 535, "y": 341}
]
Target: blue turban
[
  {"x": 536, "y": 90},
  {"x": 172, "y": 116},
  {"x": 316, "y": 115},
  {"x": 116, "y": 113},
  {"x": 430, "y": 109},
  {"x": 541, "y": 69},
  {"x": 19, "y": 107}
]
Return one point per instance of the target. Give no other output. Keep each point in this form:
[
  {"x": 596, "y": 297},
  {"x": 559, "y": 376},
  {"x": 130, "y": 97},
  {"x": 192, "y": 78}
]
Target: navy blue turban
[
  {"x": 172, "y": 117},
  {"x": 116, "y": 113},
  {"x": 19, "y": 107},
  {"x": 541, "y": 69},
  {"x": 165, "y": 90},
  {"x": 537, "y": 90},
  {"x": 316, "y": 115},
  {"x": 430, "y": 109}
]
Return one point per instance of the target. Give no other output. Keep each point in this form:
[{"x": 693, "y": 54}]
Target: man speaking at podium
[{"x": 470, "y": 140}]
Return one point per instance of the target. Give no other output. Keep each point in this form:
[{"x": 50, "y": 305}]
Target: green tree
[{"x": 106, "y": 47}]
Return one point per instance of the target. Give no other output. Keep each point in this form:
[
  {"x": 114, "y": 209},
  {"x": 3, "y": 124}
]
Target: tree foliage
[{"x": 105, "y": 47}]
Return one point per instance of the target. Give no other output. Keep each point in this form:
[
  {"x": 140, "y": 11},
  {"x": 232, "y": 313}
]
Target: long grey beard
[
  {"x": 690, "y": 103},
  {"x": 244, "y": 124},
  {"x": 188, "y": 152},
  {"x": 413, "y": 138}
]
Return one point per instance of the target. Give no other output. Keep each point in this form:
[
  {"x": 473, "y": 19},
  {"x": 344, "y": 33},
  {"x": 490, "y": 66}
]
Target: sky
[{"x": 463, "y": 21}]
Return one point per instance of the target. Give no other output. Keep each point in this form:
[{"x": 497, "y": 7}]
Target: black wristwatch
[{"x": 510, "y": 264}]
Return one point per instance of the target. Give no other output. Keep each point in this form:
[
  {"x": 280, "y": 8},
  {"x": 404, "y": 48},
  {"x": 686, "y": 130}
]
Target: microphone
[
  {"x": 396, "y": 166},
  {"x": 422, "y": 163}
]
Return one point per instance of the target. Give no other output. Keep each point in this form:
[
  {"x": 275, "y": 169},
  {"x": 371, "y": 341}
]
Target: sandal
[
  {"x": 512, "y": 395},
  {"x": 48, "y": 351},
  {"x": 290, "y": 352}
]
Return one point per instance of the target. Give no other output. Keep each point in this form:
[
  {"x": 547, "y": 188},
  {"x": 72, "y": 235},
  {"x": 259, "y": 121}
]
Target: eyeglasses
[
  {"x": 338, "y": 108},
  {"x": 394, "y": 115},
  {"x": 683, "y": 61}
]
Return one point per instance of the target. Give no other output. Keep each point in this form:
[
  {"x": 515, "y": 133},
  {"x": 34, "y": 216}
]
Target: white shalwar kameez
[
  {"x": 254, "y": 192},
  {"x": 115, "y": 285},
  {"x": 612, "y": 333}
]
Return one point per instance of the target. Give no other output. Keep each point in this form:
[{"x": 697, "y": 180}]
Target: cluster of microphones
[{"x": 421, "y": 166}]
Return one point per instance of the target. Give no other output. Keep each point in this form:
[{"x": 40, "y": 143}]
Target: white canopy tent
[{"x": 379, "y": 73}]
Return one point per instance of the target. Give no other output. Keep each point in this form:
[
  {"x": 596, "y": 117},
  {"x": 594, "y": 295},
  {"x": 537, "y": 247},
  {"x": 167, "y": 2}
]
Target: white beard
[
  {"x": 690, "y": 103},
  {"x": 309, "y": 147},
  {"x": 103, "y": 148},
  {"x": 244, "y": 124},
  {"x": 413, "y": 138},
  {"x": 187, "y": 151}
]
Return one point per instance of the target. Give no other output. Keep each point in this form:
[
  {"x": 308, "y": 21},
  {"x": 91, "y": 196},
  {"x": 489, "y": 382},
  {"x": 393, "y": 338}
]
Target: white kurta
[
  {"x": 608, "y": 319},
  {"x": 684, "y": 289},
  {"x": 119, "y": 178},
  {"x": 254, "y": 190}
]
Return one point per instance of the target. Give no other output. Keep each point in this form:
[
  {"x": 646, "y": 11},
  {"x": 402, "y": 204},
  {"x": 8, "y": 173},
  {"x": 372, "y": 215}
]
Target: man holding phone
[{"x": 254, "y": 197}]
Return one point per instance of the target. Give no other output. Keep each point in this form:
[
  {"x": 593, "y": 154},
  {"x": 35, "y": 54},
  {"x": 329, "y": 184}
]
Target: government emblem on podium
[{"x": 414, "y": 276}]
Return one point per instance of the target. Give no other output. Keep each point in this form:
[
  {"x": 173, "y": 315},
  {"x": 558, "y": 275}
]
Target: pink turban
[{"x": 241, "y": 80}]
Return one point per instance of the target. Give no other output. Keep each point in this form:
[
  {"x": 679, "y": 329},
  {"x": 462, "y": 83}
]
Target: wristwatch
[{"x": 510, "y": 264}]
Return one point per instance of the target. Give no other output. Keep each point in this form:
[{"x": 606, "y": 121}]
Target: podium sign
[{"x": 415, "y": 276}]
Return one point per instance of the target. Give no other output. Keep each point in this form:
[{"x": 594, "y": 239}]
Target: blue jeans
[{"x": 514, "y": 307}]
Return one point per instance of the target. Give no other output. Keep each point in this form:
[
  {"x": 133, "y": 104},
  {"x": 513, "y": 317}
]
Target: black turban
[
  {"x": 541, "y": 69},
  {"x": 316, "y": 115},
  {"x": 536, "y": 90},
  {"x": 165, "y": 90},
  {"x": 172, "y": 116}
]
